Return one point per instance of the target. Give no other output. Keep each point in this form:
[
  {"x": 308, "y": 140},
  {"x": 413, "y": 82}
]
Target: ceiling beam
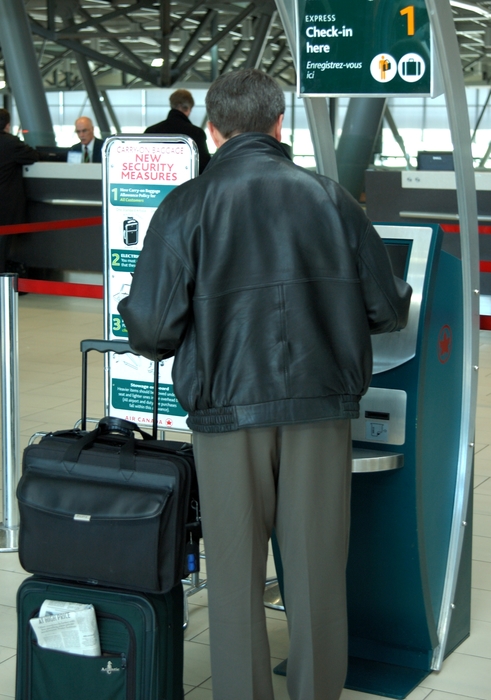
[
  {"x": 284, "y": 50},
  {"x": 166, "y": 30},
  {"x": 186, "y": 15},
  {"x": 177, "y": 74},
  {"x": 95, "y": 21},
  {"x": 193, "y": 40},
  {"x": 53, "y": 62},
  {"x": 234, "y": 54},
  {"x": 147, "y": 74},
  {"x": 114, "y": 41},
  {"x": 261, "y": 28}
]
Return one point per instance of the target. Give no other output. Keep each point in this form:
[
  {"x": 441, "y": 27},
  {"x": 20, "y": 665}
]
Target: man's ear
[
  {"x": 217, "y": 138},
  {"x": 276, "y": 131}
]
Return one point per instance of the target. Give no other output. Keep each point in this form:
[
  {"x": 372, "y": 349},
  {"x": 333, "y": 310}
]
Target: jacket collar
[
  {"x": 251, "y": 143},
  {"x": 177, "y": 114}
]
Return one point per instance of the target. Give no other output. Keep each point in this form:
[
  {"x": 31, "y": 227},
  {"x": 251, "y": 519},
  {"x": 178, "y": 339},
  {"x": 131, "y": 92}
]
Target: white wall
[{"x": 422, "y": 122}]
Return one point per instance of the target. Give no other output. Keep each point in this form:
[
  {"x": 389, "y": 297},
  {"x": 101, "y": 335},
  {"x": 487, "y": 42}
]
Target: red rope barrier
[
  {"x": 50, "y": 225},
  {"x": 63, "y": 289},
  {"x": 93, "y": 291},
  {"x": 455, "y": 228},
  {"x": 66, "y": 289},
  {"x": 450, "y": 228}
]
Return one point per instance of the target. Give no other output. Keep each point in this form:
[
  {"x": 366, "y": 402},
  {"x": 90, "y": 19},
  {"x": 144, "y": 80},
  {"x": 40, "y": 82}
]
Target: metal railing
[{"x": 9, "y": 380}]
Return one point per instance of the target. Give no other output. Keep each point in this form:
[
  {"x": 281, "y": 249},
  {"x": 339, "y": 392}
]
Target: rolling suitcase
[
  {"x": 102, "y": 507},
  {"x": 124, "y": 485},
  {"x": 130, "y": 231},
  {"x": 141, "y": 640}
]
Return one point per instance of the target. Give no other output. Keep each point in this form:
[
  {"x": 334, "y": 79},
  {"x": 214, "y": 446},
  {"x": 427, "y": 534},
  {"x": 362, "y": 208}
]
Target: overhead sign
[
  {"x": 364, "y": 47},
  {"x": 138, "y": 172}
]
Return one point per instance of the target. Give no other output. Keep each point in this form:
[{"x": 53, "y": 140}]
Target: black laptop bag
[{"x": 107, "y": 506}]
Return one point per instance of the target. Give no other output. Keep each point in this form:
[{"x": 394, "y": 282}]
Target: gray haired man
[{"x": 265, "y": 281}]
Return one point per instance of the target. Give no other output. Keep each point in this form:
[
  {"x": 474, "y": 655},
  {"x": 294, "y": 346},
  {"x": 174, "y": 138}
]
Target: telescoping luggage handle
[{"x": 120, "y": 347}]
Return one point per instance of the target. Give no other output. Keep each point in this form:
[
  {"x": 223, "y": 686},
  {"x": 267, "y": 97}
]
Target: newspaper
[{"x": 69, "y": 627}]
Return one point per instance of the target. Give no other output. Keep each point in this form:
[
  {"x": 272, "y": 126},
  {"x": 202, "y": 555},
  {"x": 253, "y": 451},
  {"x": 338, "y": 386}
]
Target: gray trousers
[{"x": 297, "y": 479}]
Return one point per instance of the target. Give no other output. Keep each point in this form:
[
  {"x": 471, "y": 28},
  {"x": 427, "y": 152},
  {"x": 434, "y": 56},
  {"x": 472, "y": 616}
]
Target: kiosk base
[
  {"x": 378, "y": 678},
  {"x": 375, "y": 677}
]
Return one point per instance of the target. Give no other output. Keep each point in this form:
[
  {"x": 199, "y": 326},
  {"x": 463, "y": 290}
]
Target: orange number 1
[{"x": 409, "y": 11}]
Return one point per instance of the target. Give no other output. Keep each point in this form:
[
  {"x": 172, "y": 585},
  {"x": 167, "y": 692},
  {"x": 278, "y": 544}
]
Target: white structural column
[
  {"x": 24, "y": 75},
  {"x": 315, "y": 107},
  {"x": 9, "y": 392},
  {"x": 93, "y": 94},
  {"x": 448, "y": 55}
]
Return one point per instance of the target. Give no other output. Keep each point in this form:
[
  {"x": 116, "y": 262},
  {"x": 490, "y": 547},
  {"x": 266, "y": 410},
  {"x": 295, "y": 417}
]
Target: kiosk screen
[{"x": 399, "y": 256}]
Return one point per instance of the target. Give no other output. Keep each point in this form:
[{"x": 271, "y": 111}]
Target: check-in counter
[{"x": 55, "y": 192}]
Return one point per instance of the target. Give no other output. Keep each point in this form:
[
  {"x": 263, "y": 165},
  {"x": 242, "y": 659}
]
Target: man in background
[
  {"x": 178, "y": 122},
  {"x": 265, "y": 281},
  {"x": 14, "y": 153},
  {"x": 89, "y": 146}
]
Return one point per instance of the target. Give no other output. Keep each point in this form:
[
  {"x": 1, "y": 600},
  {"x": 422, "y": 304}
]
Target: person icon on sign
[{"x": 384, "y": 66}]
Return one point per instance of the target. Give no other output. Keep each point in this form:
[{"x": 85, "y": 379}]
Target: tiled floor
[{"x": 49, "y": 333}]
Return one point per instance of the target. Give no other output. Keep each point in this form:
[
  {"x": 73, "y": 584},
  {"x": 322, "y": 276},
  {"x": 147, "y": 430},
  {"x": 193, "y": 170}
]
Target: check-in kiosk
[
  {"x": 409, "y": 565},
  {"x": 405, "y": 480},
  {"x": 406, "y": 453}
]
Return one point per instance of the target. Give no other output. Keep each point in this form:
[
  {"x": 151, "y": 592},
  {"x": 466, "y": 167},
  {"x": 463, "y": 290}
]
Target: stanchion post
[{"x": 9, "y": 380}]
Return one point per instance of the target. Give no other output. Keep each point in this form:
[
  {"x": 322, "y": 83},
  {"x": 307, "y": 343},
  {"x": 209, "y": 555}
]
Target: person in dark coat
[
  {"x": 266, "y": 281},
  {"x": 14, "y": 153},
  {"x": 89, "y": 146},
  {"x": 178, "y": 122}
]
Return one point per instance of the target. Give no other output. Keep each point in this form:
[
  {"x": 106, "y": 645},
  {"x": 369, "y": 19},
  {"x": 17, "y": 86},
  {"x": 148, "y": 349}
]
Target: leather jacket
[{"x": 265, "y": 280}]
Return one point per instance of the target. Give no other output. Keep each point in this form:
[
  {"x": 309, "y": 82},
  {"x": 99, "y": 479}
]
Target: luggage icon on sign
[
  {"x": 411, "y": 67},
  {"x": 130, "y": 231}
]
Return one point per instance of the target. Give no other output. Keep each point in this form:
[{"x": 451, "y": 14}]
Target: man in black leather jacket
[{"x": 265, "y": 281}]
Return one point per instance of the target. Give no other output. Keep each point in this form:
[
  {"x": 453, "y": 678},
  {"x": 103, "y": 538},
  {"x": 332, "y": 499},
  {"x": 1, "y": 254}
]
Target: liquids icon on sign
[{"x": 411, "y": 67}]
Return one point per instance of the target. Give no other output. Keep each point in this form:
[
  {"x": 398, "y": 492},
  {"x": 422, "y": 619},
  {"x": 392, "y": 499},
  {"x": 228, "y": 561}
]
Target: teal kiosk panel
[
  {"x": 401, "y": 518},
  {"x": 405, "y": 459}
]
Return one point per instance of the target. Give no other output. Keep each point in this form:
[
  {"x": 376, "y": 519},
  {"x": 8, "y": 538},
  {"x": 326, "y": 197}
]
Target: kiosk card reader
[{"x": 405, "y": 464}]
